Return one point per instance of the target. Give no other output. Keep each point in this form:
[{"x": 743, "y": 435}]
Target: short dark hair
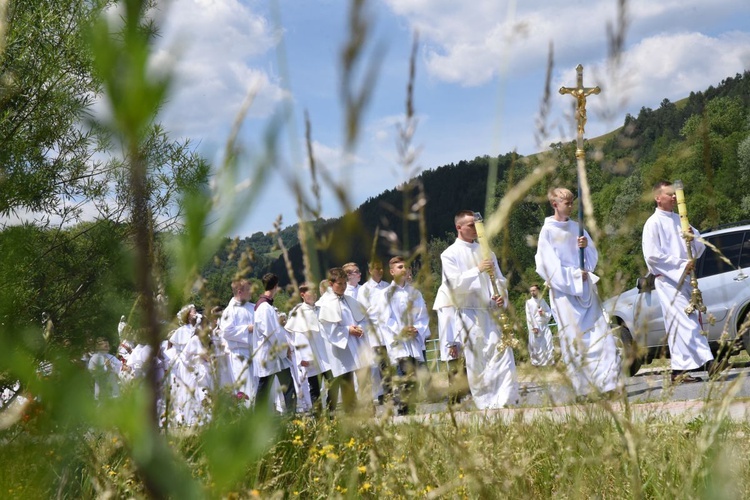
[
  {"x": 304, "y": 287},
  {"x": 335, "y": 273},
  {"x": 461, "y": 214},
  {"x": 270, "y": 281},
  {"x": 661, "y": 184},
  {"x": 395, "y": 260}
]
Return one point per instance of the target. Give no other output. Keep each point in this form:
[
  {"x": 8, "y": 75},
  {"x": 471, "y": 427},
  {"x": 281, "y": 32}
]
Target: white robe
[
  {"x": 312, "y": 348},
  {"x": 447, "y": 336},
  {"x": 348, "y": 353},
  {"x": 183, "y": 378},
  {"x": 221, "y": 360},
  {"x": 196, "y": 361},
  {"x": 541, "y": 348},
  {"x": 234, "y": 323},
  {"x": 352, "y": 291},
  {"x": 270, "y": 343},
  {"x": 665, "y": 253},
  {"x": 105, "y": 369},
  {"x": 586, "y": 343},
  {"x": 399, "y": 307},
  {"x": 491, "y": 373},
  {"x": 367, "y": 296}
]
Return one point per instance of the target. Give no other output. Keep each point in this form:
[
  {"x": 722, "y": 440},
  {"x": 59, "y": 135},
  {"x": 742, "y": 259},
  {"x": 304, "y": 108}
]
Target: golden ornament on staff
[
  {"x": 696, "y": 298},
  {"x": 508, "y": 340}
]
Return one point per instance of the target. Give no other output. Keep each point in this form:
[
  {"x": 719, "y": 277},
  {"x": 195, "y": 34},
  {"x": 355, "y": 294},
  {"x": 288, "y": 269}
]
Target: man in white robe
[
  {"x": 237, "y": 330},
  {"x": 403, "y": 323},
  {"x": 538, "y": 314},
  {"x": 343, "y": 321},
  {"x": 587, "y": 346},
  {"x": 665, "y": 251},
  {"x": 313, "y": 352},
  {"x": 466, "y": 275}
]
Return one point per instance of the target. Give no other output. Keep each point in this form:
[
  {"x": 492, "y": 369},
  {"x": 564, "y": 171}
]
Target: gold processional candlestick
[
  {"x": 508, "y": 340},
  {"x": 580, "y": 93},
  {"x": 696, "y": 298}
]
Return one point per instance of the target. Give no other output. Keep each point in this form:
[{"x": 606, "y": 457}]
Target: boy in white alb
[
  {"x": 403, "y": 323},
  {"x": 272, "y": 354},
  {"x": 587, "y": 346},
  {"x": 538, "y": 314},
  {"x": 237, "y": 331},
  {"x": 312, "y": 350},
  {"x": 343, "y": 321}
]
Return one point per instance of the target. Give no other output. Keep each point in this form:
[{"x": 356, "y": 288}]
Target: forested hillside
[{"x": 703, "y": 140}]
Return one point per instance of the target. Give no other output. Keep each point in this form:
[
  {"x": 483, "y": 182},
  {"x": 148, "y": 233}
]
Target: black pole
[{"x": 580, "y": 223}]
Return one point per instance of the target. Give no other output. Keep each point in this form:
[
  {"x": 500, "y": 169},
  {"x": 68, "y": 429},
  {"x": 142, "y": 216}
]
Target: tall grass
[{"x": 578, "y": 456}]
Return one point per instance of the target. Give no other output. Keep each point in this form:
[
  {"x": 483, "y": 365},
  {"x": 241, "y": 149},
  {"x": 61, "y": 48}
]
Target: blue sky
[{"x": 479, "y": 80}]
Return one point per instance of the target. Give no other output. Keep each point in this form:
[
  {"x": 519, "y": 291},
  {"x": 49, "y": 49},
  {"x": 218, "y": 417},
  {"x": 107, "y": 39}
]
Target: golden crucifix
[{"x": 580, "y": 93}]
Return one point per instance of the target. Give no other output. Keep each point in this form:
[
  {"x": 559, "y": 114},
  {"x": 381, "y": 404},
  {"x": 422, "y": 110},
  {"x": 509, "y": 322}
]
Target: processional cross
[{"x": 579, "y": 92}]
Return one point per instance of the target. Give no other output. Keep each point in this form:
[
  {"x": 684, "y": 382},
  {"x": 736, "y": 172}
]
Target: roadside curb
[{"x": 683, "y": 410}]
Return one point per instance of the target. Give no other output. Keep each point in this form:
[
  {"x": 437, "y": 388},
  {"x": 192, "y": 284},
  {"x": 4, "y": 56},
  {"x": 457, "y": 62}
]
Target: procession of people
[{"x": 362, "y": 344}]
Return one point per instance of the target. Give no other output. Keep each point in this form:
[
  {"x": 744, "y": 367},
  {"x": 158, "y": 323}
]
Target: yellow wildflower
[{"x": 362, "y": 469}]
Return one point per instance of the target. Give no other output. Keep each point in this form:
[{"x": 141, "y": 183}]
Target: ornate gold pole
[
  {"x": 580, "y": 93},
  {"x": 508, "y": 340},
  {"x": 696, "y": 298}
]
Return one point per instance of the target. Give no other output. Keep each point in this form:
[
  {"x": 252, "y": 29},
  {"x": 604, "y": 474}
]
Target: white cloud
[
  {"x": 215, "y": 46},
  {"x": 665, "y": 66},
  {"x": 471, "y": 45}
]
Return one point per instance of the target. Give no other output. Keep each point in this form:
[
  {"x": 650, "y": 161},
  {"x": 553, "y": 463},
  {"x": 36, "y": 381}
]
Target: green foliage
[
  {"x": 45, "y": 88},
  {"x": 74, "y": 275}
]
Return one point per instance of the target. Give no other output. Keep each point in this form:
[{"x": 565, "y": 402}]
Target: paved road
[
  {"x": 650, "y": 385},
  {"x": 649, "y": 391}
]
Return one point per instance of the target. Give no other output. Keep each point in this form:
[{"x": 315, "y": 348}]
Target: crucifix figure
[{"x": 580, "y": 93}]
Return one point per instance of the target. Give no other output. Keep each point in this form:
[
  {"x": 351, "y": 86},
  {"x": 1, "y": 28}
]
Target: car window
[
  {"x": 731, "y": 245},
  {"x": 745, "y": 257}
]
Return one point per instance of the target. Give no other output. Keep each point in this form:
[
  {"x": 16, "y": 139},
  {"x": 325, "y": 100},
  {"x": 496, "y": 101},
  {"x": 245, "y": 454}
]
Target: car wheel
[
  {"x": 631, "y": 360},
  {"x": 743, "y": 331}
]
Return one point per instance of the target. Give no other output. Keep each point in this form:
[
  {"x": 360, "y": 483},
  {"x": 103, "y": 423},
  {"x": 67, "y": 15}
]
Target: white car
[{"x": 637, "y": 318}]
